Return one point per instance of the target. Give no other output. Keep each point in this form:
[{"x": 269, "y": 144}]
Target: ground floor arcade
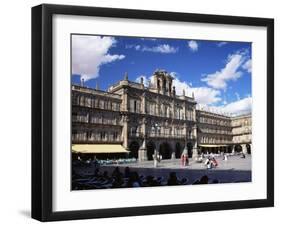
[
  {"x": 174, "y": 149},
  {"x": 167, "y": 149},
  {"x": 245, "y": 148}
]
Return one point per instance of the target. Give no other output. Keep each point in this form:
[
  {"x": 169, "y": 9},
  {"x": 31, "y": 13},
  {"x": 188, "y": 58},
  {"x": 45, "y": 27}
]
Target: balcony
[
  {"x": 162, "y": 135},
  {"x": 96, "y": 141}
]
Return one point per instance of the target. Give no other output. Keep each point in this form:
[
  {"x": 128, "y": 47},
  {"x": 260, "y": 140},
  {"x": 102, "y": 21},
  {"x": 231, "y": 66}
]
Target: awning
[
  {"x": 98, "y": 148},
  {"x": 212, "y": 145}
]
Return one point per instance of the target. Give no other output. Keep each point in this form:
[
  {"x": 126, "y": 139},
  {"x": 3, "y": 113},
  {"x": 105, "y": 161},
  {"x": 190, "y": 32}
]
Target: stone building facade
[
  {"x": 147, "y": 120},
  {"x": 220, "y": 133},
  {"x": 242, "y": 133}
]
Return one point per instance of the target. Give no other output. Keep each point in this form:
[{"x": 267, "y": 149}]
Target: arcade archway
[
  {"x": 189, "y": 149},
  {"x": 248, "y": 146},
  {"x": 150, "y": 150},
  {"x": 178, "y": 149},
  {"x": 238, "y": 148},
  {"x": 165, "y": 150},
  {"x": 134, "y": 149},
  {"x": 229, "y": 149}
]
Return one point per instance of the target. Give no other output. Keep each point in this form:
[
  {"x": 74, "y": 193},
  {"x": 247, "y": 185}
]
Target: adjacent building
[
  {"x": 221, "y": 133},
  {"x": 140, "y": 120}
]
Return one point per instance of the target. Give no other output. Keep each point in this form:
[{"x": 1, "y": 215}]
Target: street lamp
[
  {"x": 184, "y": 155},
  {"x": 155, "y": 158}
]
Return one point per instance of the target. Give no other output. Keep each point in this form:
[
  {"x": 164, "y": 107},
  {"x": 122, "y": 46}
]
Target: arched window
[
  {"x": 164, "y": 84},
  {"x": 82, "y": 103},
  {"x": 158, "y": 83}
]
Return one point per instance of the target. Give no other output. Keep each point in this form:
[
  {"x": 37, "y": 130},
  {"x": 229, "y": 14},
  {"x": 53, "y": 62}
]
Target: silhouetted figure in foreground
[
  {"x": 173, "y": 180},
  {"x": 116, "y": 172},
  {"x": 117, "y": 182},
  {"x": 127, "y": 172},
  {"x": 203, "y": 180},
  {"x": 134, "y": 180}
]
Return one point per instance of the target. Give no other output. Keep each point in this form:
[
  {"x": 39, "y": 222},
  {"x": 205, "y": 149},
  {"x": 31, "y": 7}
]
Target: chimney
[
  {"x": 141, "y": 80},
  {"x": 126, "y": 76},
  {"x": 82, "y": 82}
]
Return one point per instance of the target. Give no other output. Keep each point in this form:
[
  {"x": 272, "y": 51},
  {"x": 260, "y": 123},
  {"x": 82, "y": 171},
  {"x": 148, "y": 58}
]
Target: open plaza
[
  {"x": 237, "y": 168},
  {"x": 137, "y": 136}
]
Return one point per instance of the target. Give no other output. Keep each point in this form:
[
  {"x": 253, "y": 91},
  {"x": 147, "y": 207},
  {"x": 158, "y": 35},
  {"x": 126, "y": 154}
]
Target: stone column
[
  {"x": 173, "y": 108},
  {"x": 157, "y": 106},
  {"x": 143, "y": 100},
  {"x": 194, "y": 115},
  {"x": 233, "y": 149},
  {"x": 125, "y": 100},
  {"x": 161, "y": 86},
  {"x": 173, "y": 156},
  {"x": 244, "y": 148},
  {"x": 173, "y": 131},
  {"x": 195, "y": 148},
  {"x": 185, "y": 133},
  {"x": 184, "y": 111},
  {"x": 125, "y": 132},
  {"x": 142, "y": 153}
]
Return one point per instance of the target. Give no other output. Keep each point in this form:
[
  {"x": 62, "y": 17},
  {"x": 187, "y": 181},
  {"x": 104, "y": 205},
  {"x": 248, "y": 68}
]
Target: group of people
[
  {"x": 211, "y": 162},
  {"x": 126, "y": 179}
]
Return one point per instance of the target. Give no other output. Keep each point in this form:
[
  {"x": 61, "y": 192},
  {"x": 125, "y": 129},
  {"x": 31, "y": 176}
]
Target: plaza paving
[
  {"x": 235, "y": 169},
  {"x": 233, "y": 163}
]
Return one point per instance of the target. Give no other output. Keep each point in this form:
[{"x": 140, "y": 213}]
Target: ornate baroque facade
[{"x": 148, "y": 119}]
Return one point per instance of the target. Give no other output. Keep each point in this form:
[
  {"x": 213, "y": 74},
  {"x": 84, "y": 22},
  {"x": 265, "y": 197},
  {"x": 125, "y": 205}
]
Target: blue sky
[{"x": 217, "y": 72}]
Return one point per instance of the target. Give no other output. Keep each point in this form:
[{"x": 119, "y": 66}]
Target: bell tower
[{"x": 163, "y": 82}]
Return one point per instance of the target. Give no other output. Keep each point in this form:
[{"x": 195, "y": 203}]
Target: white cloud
[
  {"x": 237, "y": 96},
  {"x": 109, "y": 58},
  {"x": 235, "y": 108},
  {"x": 89, "y": 53},
  {"x": 149, "y": 39},
  {"x": 164, "y": 48},
  {"x": 203, "y": 95},
  {"x": 193, "y": 45},
  {"x": 248, "y": 66},
  {"x": 239, "y": 107},
  {"x": 146, "y": 81},
  {"x": 220, "y": 44},
  {"x": 137, "y": 47},
  {"x": 218, "y": 80}
]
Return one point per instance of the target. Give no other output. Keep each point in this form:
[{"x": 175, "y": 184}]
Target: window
[
  {"x": 103, "y": 135},
  {"x": 115, "y": 136},
  {"x": 152, "y": 130},
  {"x": 82, "y": 101},
  {"x": 88, "y": 101},
  {"x": 135, "y": 106},
  {"x": 101, "y": 104}
]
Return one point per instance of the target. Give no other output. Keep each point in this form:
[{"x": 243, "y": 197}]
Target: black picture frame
[{"x": 42, "y": 111}]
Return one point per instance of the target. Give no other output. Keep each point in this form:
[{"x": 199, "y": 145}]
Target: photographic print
[{"x": 159, "y": 112}]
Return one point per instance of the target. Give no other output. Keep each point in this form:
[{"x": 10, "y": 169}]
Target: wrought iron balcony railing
[{"x": 162, "y": 135}]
